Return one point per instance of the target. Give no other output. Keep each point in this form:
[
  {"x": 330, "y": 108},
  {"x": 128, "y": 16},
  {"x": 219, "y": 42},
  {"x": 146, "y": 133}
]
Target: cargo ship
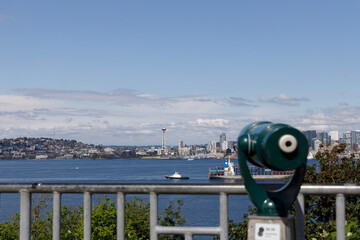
[{"x": 230, "y": 171}]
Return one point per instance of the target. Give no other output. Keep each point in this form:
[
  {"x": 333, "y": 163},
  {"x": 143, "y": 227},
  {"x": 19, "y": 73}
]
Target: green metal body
[{"x": 279, "y": 147}]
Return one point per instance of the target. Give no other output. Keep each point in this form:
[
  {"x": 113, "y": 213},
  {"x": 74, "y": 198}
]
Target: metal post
[
  {"x": 120, "y": 231},
  {"x": 56, "y": 215},
  {"x": 223, "y": 216},
  {"x": 188, "y": 236},
  {"x": 153, "y": 215},
  {"x": 300, "y": 217},
  {"x": 87, "y": 216},
  {"x": 25, "y": 215},
  {"x": 340, "y": 216}
]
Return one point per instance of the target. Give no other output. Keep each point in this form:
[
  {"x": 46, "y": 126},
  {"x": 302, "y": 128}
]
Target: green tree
[
  {"x": 137, "y": 219},
  {"x": 320, "y": 211}
]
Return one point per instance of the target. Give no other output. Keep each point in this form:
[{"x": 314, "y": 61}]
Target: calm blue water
[{"x": 197, "y": 210}]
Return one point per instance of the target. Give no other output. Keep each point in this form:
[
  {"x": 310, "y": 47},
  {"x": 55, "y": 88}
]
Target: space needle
[{"x": 163, "y": 140}]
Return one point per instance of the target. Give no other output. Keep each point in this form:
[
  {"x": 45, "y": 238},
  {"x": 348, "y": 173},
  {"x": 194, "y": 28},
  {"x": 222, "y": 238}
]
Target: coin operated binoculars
[{"x": 278, "y": 147}]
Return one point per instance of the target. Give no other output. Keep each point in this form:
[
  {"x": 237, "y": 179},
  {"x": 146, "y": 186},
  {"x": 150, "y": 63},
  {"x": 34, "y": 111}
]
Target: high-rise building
[
  {"x": 346, "y": 139},
  {"x": 347, "y": 134},
  {"x": 310, "y": 135},
  {"x": 222, "y": 137},
  {"x": 334, "y": 135},
  {"x": 224, "y": 145},
  {"x": 222, "y": 140},
  {"x": 181, "y": 144},
  {"x": 323, "y": 137},
  {"x": 355, "y": 138}
]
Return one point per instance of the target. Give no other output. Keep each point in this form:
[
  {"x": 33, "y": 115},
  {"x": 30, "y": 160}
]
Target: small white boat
[{"x": 176, "y": 175}]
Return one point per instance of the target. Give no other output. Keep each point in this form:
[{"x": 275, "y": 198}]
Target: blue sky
[{"x": 116, "y": 72}]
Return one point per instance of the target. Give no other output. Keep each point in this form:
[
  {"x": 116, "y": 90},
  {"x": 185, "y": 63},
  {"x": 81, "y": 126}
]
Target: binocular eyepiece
[
  {"x": 275, "y": 146},
  {"x": 278, "y": 147}
]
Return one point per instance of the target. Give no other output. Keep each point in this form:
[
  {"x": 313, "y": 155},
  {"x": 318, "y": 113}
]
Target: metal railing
[{"x": 223, "y": 190}]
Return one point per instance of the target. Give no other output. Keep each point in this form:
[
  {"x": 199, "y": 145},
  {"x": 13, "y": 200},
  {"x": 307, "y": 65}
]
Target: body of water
[{"x": 197, "y": 210}]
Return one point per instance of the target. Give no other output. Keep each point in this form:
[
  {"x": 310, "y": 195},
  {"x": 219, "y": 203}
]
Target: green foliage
[
  {"x": 10, "y": 229},
  {"x": 172, "y": 218},
  {"x": 137, "y": 220},
  {"x": 103, "y": 222},
  {"x": 238, "y": 230},
  {"x": 320, "y": 211},
  {"x": 71, "y": 222}
]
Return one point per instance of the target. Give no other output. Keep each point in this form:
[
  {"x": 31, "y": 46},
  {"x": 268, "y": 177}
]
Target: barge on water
[{"x": 230, "y": 171}]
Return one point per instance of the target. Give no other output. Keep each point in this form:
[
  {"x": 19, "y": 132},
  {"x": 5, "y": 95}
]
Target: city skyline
[{"x": 118, "y": 72}]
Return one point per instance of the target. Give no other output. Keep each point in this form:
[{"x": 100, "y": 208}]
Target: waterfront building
[
  {"x": 185, "y": 151},
  {"x": 41, "y": 156},
  {"x": 108, "y": 150}
]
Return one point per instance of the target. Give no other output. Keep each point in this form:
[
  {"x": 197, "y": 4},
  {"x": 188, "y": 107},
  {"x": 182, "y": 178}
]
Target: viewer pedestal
[{"x": 271, "y": 228}]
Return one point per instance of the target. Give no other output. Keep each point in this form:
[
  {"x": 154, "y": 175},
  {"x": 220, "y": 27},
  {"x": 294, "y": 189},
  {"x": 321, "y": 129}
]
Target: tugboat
[{"x": 176, "y": 175}]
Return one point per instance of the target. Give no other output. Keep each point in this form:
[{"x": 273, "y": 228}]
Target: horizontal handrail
[{"x": 135, "y": 188}]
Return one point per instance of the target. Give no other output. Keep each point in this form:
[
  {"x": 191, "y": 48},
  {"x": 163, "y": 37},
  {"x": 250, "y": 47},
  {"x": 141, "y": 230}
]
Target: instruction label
[{"x": 266, "y": 231}]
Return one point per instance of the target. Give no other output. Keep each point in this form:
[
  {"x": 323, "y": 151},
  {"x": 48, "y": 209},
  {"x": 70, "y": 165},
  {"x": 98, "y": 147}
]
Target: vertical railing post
[
  {"x": 188, "y": 236},
  {"x": 25, "y": 215},
  {"x": 153, "y": 215},
  {"x": 300, "y": 216},
  {"x": 340, "y": 216},
  {"x": 56, "y": 215},
  {"x": 120, "y": 230},
  {"x": 223, "y": 216},
  {"x": 87, "y": 216}
]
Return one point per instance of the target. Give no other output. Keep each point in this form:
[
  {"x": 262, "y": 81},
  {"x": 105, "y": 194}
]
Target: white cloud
[
  {"x": 239, "y": 101},
  {"x": 284, "y": 99},
  {"x": 94, "y": 117},
  {"x": 119, "y": 96},
  {"x": 212, "y": 122}
]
